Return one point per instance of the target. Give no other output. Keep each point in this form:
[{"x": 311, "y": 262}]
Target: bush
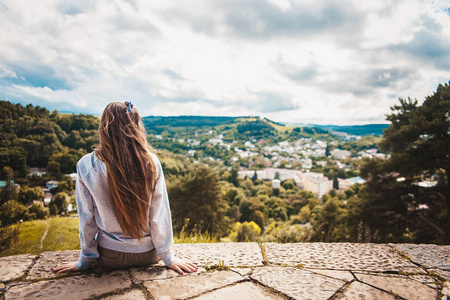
[
  {"x": 38, "y": 212},
  {"x": 245, "y": 232},
  {"x": 285, "y": 233},
  {"x": 12, "y": 212},
  {"x": 9, "y": 236}
]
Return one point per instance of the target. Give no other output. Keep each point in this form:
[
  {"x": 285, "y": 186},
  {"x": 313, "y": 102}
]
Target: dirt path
[{"x": 44, "y": 235}]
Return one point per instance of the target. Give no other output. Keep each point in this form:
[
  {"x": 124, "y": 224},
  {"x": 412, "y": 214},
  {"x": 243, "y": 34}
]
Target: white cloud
[{"x": 290, "y": 60}]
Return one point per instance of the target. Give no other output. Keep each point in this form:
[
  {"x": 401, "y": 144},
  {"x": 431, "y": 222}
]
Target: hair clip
[{"x": 130, "y": 105}]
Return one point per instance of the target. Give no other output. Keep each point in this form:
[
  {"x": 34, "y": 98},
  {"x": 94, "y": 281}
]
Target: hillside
[{"x": 368, "y": 129}]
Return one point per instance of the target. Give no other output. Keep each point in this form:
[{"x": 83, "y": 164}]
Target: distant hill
[
  {"x": 187, "y": 121},
  {"x": 369, "y": 129}
]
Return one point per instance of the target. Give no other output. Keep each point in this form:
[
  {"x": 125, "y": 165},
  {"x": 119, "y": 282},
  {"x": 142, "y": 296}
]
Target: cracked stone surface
[
  {"x": 427, "y": 280},
  {"x": 78, "y": 287},
  {"x": 444, "y": 274},
  {"x": 429, "y": 256},
  {"x": 357, "y": 290},
  {"x": 340, "y": 256},
  {"x": 139, "y": 275},
  {"x": 48, "y": 260},
  {"x": 342, "y": 275},
  {"x": 300, "y": 271},
  {"x": 297, "y": 283},
  {"x": 232, "y": 254},
  {"x": 446, "y": 290},
  {"x": 131, "y": 295},
  {"x": 189, "y": 286},
  {"x": 12, "y": 267},
  {"x": 242, "y": 271},
  {"x": 404, "y": 287},
  {"x": 241, "y": 291}
]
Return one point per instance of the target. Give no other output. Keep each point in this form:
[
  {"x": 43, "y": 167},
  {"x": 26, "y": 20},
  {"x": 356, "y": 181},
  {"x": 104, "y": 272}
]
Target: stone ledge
[{"x": 246, "y": 271}]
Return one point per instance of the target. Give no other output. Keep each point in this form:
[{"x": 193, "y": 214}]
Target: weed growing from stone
[
  {"x": 219, "y": 267},
  {"x": 263, "y": 252}
]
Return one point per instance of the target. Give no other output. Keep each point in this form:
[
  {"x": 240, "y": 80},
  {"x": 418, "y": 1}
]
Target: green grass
[
  {"x": 62, "y": 235},
  {"x": 193, "y": 237},
  {"x": 29, "y": 238}
]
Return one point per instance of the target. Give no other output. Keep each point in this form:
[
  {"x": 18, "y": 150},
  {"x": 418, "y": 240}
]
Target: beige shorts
[{"x": 119, "y": 260}]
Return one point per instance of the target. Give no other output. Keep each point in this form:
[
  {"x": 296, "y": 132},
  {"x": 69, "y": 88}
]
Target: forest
[{"x": 405, "y": 198}]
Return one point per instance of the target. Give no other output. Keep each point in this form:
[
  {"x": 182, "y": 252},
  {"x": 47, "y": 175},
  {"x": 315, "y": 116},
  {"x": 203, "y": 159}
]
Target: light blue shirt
[{"x": 98, "y": 222}]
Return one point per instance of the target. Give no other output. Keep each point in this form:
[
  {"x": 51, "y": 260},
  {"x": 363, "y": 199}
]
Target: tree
[
  {"x": 12, "y": 212},
  {"x": 60, "y": 201},
  {"x": 197, "y": 203},
  {"x": 9, "y": 192},
  {"x": 27, "y": 194},
  {"x": 411, "y": 190},
  {"x": 254, "y": 177},
  {"x": 9, "y": 236},
  {"x": 37, "y": 211},
  {"x": 335, "y": 183},
  {"x": 245, "y": 232}
]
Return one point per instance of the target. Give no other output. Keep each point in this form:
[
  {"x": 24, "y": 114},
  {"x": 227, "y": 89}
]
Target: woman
[{"x": 122, "y": 200}]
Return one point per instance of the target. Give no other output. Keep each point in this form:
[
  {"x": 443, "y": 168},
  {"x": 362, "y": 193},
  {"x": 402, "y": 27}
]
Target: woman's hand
[
  {"x": 66, "y": 267},
  {"x": 180, "y": 265}
]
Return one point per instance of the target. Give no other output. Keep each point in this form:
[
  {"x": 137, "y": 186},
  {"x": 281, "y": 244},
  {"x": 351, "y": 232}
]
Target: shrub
[{"x": 9, "y": 236}]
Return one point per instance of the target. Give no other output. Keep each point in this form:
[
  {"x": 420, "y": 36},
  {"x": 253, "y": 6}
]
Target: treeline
[
  {"x": 369, "y": 129},
  {"x": 155, "y": 122},
  {"x": 34, "y": 137}
]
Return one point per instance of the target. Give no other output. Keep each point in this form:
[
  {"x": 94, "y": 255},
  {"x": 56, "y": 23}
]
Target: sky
[{"x": 339, "y": 62}]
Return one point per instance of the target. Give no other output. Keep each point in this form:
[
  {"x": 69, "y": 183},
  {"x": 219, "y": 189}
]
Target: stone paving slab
[
  {"x": 189, "y": 286},
  {"x": 12, "y": 267},
  {"x": 242, "y": 271},
  {"x": 427, "y": 280},
  {"x": 342, "y": 275},
  {"x": 241, "y": 291},
  {"x": 446, "y": 290},
  {"x": 358, "y": 291},
  {"x": 429, "y": 256},
  {"x": 399, "y": 285},
  {"x": 232, "y": 254},
  {"x": 131, "y": 295},
  {"x": 340, "y": 256},
  {"x": 297, "y": 283},
  {"x": 336, "y": 270},
  {"x": 441, "y": 273},
  {"x": 139, "y": 275},
  {"x": 48, "y": 260},
  {"x": 77, "y": 287}
]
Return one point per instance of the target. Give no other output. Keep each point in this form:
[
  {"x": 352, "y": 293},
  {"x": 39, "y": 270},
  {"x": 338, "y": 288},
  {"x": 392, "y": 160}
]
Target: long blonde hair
[{"x": 131, "y": 171}]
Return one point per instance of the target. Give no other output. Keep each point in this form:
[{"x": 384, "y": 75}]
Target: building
[
  {"x": 270, "y": 174},
  {"x": 317, "y": 183},
  {"x": 346, "y": 183},
  {"x": 340, "y": 154},
  {"x": 51, "y": 184},
  {"x": 276, "y": 183},
  {"x": 37, "y": 171}
]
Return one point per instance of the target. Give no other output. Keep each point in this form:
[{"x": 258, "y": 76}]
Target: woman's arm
[
  {"x": 87, "y": 230},
  {"x": 161, "y": 226}
]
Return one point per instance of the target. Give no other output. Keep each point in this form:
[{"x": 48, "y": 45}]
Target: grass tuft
[{"x": 193, "y": 237}]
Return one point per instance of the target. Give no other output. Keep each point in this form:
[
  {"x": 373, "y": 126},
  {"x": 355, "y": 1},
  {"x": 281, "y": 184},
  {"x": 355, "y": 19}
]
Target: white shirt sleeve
[
  {"x": 88, "y": 228},
  {"x": 160, "y": 219}
]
